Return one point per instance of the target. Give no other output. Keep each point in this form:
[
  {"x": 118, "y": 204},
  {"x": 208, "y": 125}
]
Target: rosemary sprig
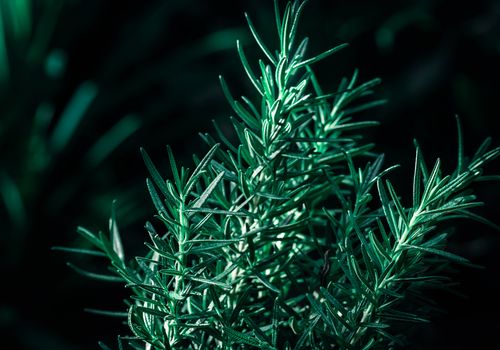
[{"x": 276, "y": 242}]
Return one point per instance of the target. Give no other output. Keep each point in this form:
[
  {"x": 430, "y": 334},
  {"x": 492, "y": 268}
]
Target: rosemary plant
[{"x": 290, "y": 238}]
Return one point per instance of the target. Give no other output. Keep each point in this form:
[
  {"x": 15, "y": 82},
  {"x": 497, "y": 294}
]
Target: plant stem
[{"x": 395, "y": 257}]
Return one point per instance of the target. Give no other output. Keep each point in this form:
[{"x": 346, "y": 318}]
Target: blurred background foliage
[{"x": 85, "y": 83}]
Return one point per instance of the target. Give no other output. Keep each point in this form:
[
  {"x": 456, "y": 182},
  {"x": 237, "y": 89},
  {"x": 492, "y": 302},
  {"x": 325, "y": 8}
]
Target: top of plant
[{"x": 275, "y": 241}]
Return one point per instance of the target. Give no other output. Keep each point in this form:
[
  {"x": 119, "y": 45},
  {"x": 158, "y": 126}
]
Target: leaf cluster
[{"x": 275, "y": 241}]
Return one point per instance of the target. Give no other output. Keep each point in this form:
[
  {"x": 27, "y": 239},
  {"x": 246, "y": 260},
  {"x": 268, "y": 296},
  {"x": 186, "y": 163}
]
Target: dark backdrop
[{"x": 144, "y": 73}]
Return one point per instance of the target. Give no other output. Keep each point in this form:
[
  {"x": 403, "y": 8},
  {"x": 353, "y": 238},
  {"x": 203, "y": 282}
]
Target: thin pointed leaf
[
  {"x": 80, "y": 251},
  {"x": 423, "y": 166},
  {"x": 319, "y": 57},
  {"x": 115, "y": 234},
  {"x": 107, "y": 313},
  {"x": 89, "y": 236},
  {"x": 277, "y": 16},
  {"x": 283, "y": 35},
  {"x": 175, "y": 171},
  {"x": 208, "y": 191},
  {"x": 156, "y": 199},
  {"x": 248, "y": 69},
  {"x": 352, "y": 126},
  {"x": 200, "y": 168},
  {"x": 259, "y": 41},
  {"x": 296, "y": 18},
  {"x": 445, "y": 254},
  {"x": 104, "y": 346},
  {"x": 267, "y": 283},
  {"x": 219, "y": 211},
  {"x": 386, "y": 205},
  {"x": 397, "y": 203},
  {"x": 275, "y": 323},
  {"x": 429, "y": 185},
  {"x": 155, "y": 175},
  {"x": 417, "y": 179}
]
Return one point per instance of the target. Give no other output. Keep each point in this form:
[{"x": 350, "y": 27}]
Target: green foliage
[
  {"x": 277, "y": 241},
  {"x": 57, "y": 133}
]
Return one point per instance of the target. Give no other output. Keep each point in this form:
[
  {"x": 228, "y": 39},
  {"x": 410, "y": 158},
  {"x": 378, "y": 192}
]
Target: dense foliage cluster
[{"x": 287, "y": 235}]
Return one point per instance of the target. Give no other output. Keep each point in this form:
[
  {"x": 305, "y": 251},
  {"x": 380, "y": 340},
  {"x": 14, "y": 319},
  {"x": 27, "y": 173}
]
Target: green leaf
[
  {"x": 120, "y": 344},
  {"x": 240, "y": 303},
  {"x": 482, "y": 148},
  {"x": 267, "y": 283},
  {"x": 444, "y": 254},
  {"x": 277, "y": 16},
  {"x": 380, "y": 249},
  {"x": 175, "y": 171},
  {"x": 272, "y": 196},
  {"x": 374, "y": 325},
  {"x": 422, "y": 279},
  {"x": 246, "y": 117},
  {"x": 202, "y": 222},
  {"x": 213, "y": 282},
  {"x": 267, "y": 80},
  {"x": 275, "y": 322},
  {"x": 155, "y": 175},
  {"x": 115, "y": 234},
  {"x": 335, "y": 308},
  {"x": 283, "y": 35},
  {"x": 237, "y": 337},
  {"x": 417, "y": 180},
  {"x": 422, "y": 165},
  {"x": 208, "y": 191},
  {"x": 306, "y": 333},
  {"x": 80, "y": 251},
  {"x": 386, "y": 205},
  {"x": 104, "y": 346},
  {"x": 351, "y": 126},
  {"x": 209, "y": 247},
  {"x": 452, "y": 208},
  {"x": 431, "y": 182},
  {"x": 296, "y": 17},
  {"x": 488, "y": 156},
  {"x": 397, "y": 204},
  {"x": 318, "y": 309},
  {"x": 368, "y": 289},
  {"x": 152, "y": 312},
  {"x": 319, "y": 57},
  {"x": 200, "y": 168},
  {"x": 218, "y": 211},
  {"x": 170, "y": 272},
  {"x": 89, "y": 236},
  {"x": 259, "y": 41},
  {"x": 255, "y": 329},
  {"x": 248, "y": 69},
  {"x": 106, "y": 313},
  {"x": 401, "y": 316},
  {"x": 156, "y": 199},
  {"x": 363, "y": 107}
]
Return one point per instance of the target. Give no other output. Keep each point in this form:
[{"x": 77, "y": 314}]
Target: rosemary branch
[{"x": 276, "y": 242}]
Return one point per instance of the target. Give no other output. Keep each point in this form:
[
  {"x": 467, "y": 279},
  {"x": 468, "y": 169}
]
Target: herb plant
[{"x": 289, "y": 237}]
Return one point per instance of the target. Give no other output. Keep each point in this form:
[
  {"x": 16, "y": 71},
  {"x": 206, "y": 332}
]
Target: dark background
[{"x": 84, "y": 84}]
